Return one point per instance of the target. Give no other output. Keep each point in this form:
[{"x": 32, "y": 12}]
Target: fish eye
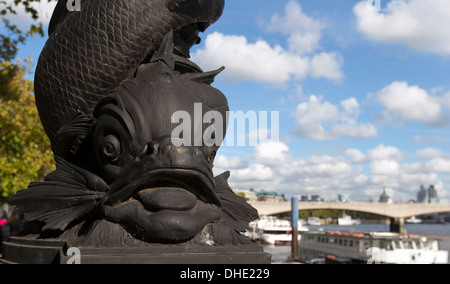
[{"x": 110, "y": 147}]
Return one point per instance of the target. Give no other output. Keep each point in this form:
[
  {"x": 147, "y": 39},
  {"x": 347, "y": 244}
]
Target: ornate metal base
[{"x": 29, "y": 251}]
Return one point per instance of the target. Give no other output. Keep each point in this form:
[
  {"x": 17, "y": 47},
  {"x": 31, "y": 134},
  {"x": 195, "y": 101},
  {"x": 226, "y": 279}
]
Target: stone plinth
[{"x": 29, "y": 251}]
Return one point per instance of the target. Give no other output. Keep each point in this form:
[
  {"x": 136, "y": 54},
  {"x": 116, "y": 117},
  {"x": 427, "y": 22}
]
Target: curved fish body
[{"x": 91, "y": 52}]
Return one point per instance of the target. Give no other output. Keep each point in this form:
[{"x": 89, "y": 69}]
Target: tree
[{"x": 25, "y": 152}]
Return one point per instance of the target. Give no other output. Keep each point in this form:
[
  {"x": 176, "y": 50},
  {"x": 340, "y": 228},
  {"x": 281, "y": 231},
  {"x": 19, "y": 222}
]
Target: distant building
[
  {"x": 342, "y": 198},
  {"x": 263, "y": 196},
  {"x": 385, "y": 198},
  {"x": 304, "y": 198},
  {"x": 427, "y": 195},
  {"x": 422, "y": 196},
  {"x": 269, "y": 196},
  {"x": 317, "y": 198},
  {"x": 313, "y": 198},
  {"x": 432, "y": 195}
]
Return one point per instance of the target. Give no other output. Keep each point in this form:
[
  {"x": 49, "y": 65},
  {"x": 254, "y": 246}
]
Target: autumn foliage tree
[{"x": 25, "y": 153}]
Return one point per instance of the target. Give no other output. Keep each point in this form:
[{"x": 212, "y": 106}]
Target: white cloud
[
  {"x": 327, "y": 65},
  {"x": 419, "y": 24},
  {"x": 272, "y": 153},
  {"x": 283, "y": 173},
  {"x": 382, "y": 152},
  {"x": 251, "y": 61},
  {"x": 327, "y": 166},
  {"x": 361, "y": 175},
  {"x": 385, "y": 168},
  {"x": 430, "y": 153},
  {"x": 438, "y": 165},
  {"x": 273, "y": 64},
  {"x": 261, "y": 62},
  {"x": 255, "y": 172},
  {"x": 356, "y": 155},
  {"x": 350, "y": 105},
  {"x": 304, "y": 32},
  {"x": 319, "y": 120},
  {"x": 354, "y": 130},
  {"x": 230, "y": 163},
  {"x": 411, "y": 103}
]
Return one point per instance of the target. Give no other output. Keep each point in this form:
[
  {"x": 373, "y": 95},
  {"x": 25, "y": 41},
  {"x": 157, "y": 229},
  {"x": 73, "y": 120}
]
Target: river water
[{"x": 434, "y": 231}]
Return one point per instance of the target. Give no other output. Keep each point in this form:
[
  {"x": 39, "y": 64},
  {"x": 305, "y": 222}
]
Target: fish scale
[{"x": 92, "y": 52}]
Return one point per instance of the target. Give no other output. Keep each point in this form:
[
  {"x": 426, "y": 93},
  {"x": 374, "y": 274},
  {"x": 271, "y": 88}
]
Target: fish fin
[
  {"x": 165, "y": 51},
  {"x": 203, "y": 77},
  {"x": 70, "y": 137},
  {"x": 65, "y": 196},
  {"x": 236, "y": 213}
]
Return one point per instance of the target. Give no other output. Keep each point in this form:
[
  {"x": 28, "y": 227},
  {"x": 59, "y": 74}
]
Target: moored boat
[
  {"x": 371, "y": 248},
  {"x": 273, "y": 231},
  {"x": 347, "y": 220},
  {"x": 413, "y": 220},
  {"x": 314, "y": 221}
]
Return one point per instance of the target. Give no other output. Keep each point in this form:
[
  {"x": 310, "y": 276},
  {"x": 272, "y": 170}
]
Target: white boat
[
  {"x": 314, "y": 221},
  {"x": 347, "y": 220},
  {"x": 413, "y": 220},
  {"x": 273, "y": 231},
  {"x": 370, "y": 248},
  {"x": 276, "y": 235}
]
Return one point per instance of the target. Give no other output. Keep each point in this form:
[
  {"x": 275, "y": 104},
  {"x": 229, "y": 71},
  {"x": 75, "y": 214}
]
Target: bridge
[{"x": 397, "y": 212}]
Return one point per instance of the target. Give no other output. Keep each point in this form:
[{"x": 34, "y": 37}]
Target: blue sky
[{"x": 363, "y": 96}]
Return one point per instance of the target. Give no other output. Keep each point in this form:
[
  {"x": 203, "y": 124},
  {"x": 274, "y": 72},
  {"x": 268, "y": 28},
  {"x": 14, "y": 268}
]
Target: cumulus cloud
[
  {"x": 382, "y": 152},
  {"x": 321, "y": 120},
  {"x": 304, "y": 32},
  {"x": 255, "y": 172},
  {"x": 355, "y": 173},
  {"x": 327, "y": 65},
  {"x": 417, "y": 24},
  {"x": 430, "y": 153},
  {"x": 272, "y": 153},
  {"x": 230, "y": 163},
  {"x": 356, "y": 155},
  {"x": 406, "y": 102},
  {"x": 273, "y": 64},
  {"x": 251, "y": 61},
  {"x": 438, "y": 165},
  {"x": 325, "y": 165},
  {"x": 385, "y": 167},
  {"x": 284, "y": 173}
]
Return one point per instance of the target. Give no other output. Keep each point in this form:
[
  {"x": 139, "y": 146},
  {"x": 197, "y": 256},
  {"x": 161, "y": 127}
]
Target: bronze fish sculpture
[{"x": 107, "y": 83}]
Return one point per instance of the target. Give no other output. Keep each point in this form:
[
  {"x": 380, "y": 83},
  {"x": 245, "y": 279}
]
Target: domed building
[{"x": 385, "y": 198}]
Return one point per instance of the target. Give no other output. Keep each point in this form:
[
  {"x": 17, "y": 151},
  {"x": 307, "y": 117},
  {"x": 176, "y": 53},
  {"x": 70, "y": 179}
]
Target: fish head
[{"x": 162, "y": 190}]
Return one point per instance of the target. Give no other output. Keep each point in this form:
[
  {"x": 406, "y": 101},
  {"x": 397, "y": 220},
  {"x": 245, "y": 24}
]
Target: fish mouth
[
  {"x": 190, "y": 180},
  {"x": 184, "y": 39},
  {"x": 188, "y": 36}
]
